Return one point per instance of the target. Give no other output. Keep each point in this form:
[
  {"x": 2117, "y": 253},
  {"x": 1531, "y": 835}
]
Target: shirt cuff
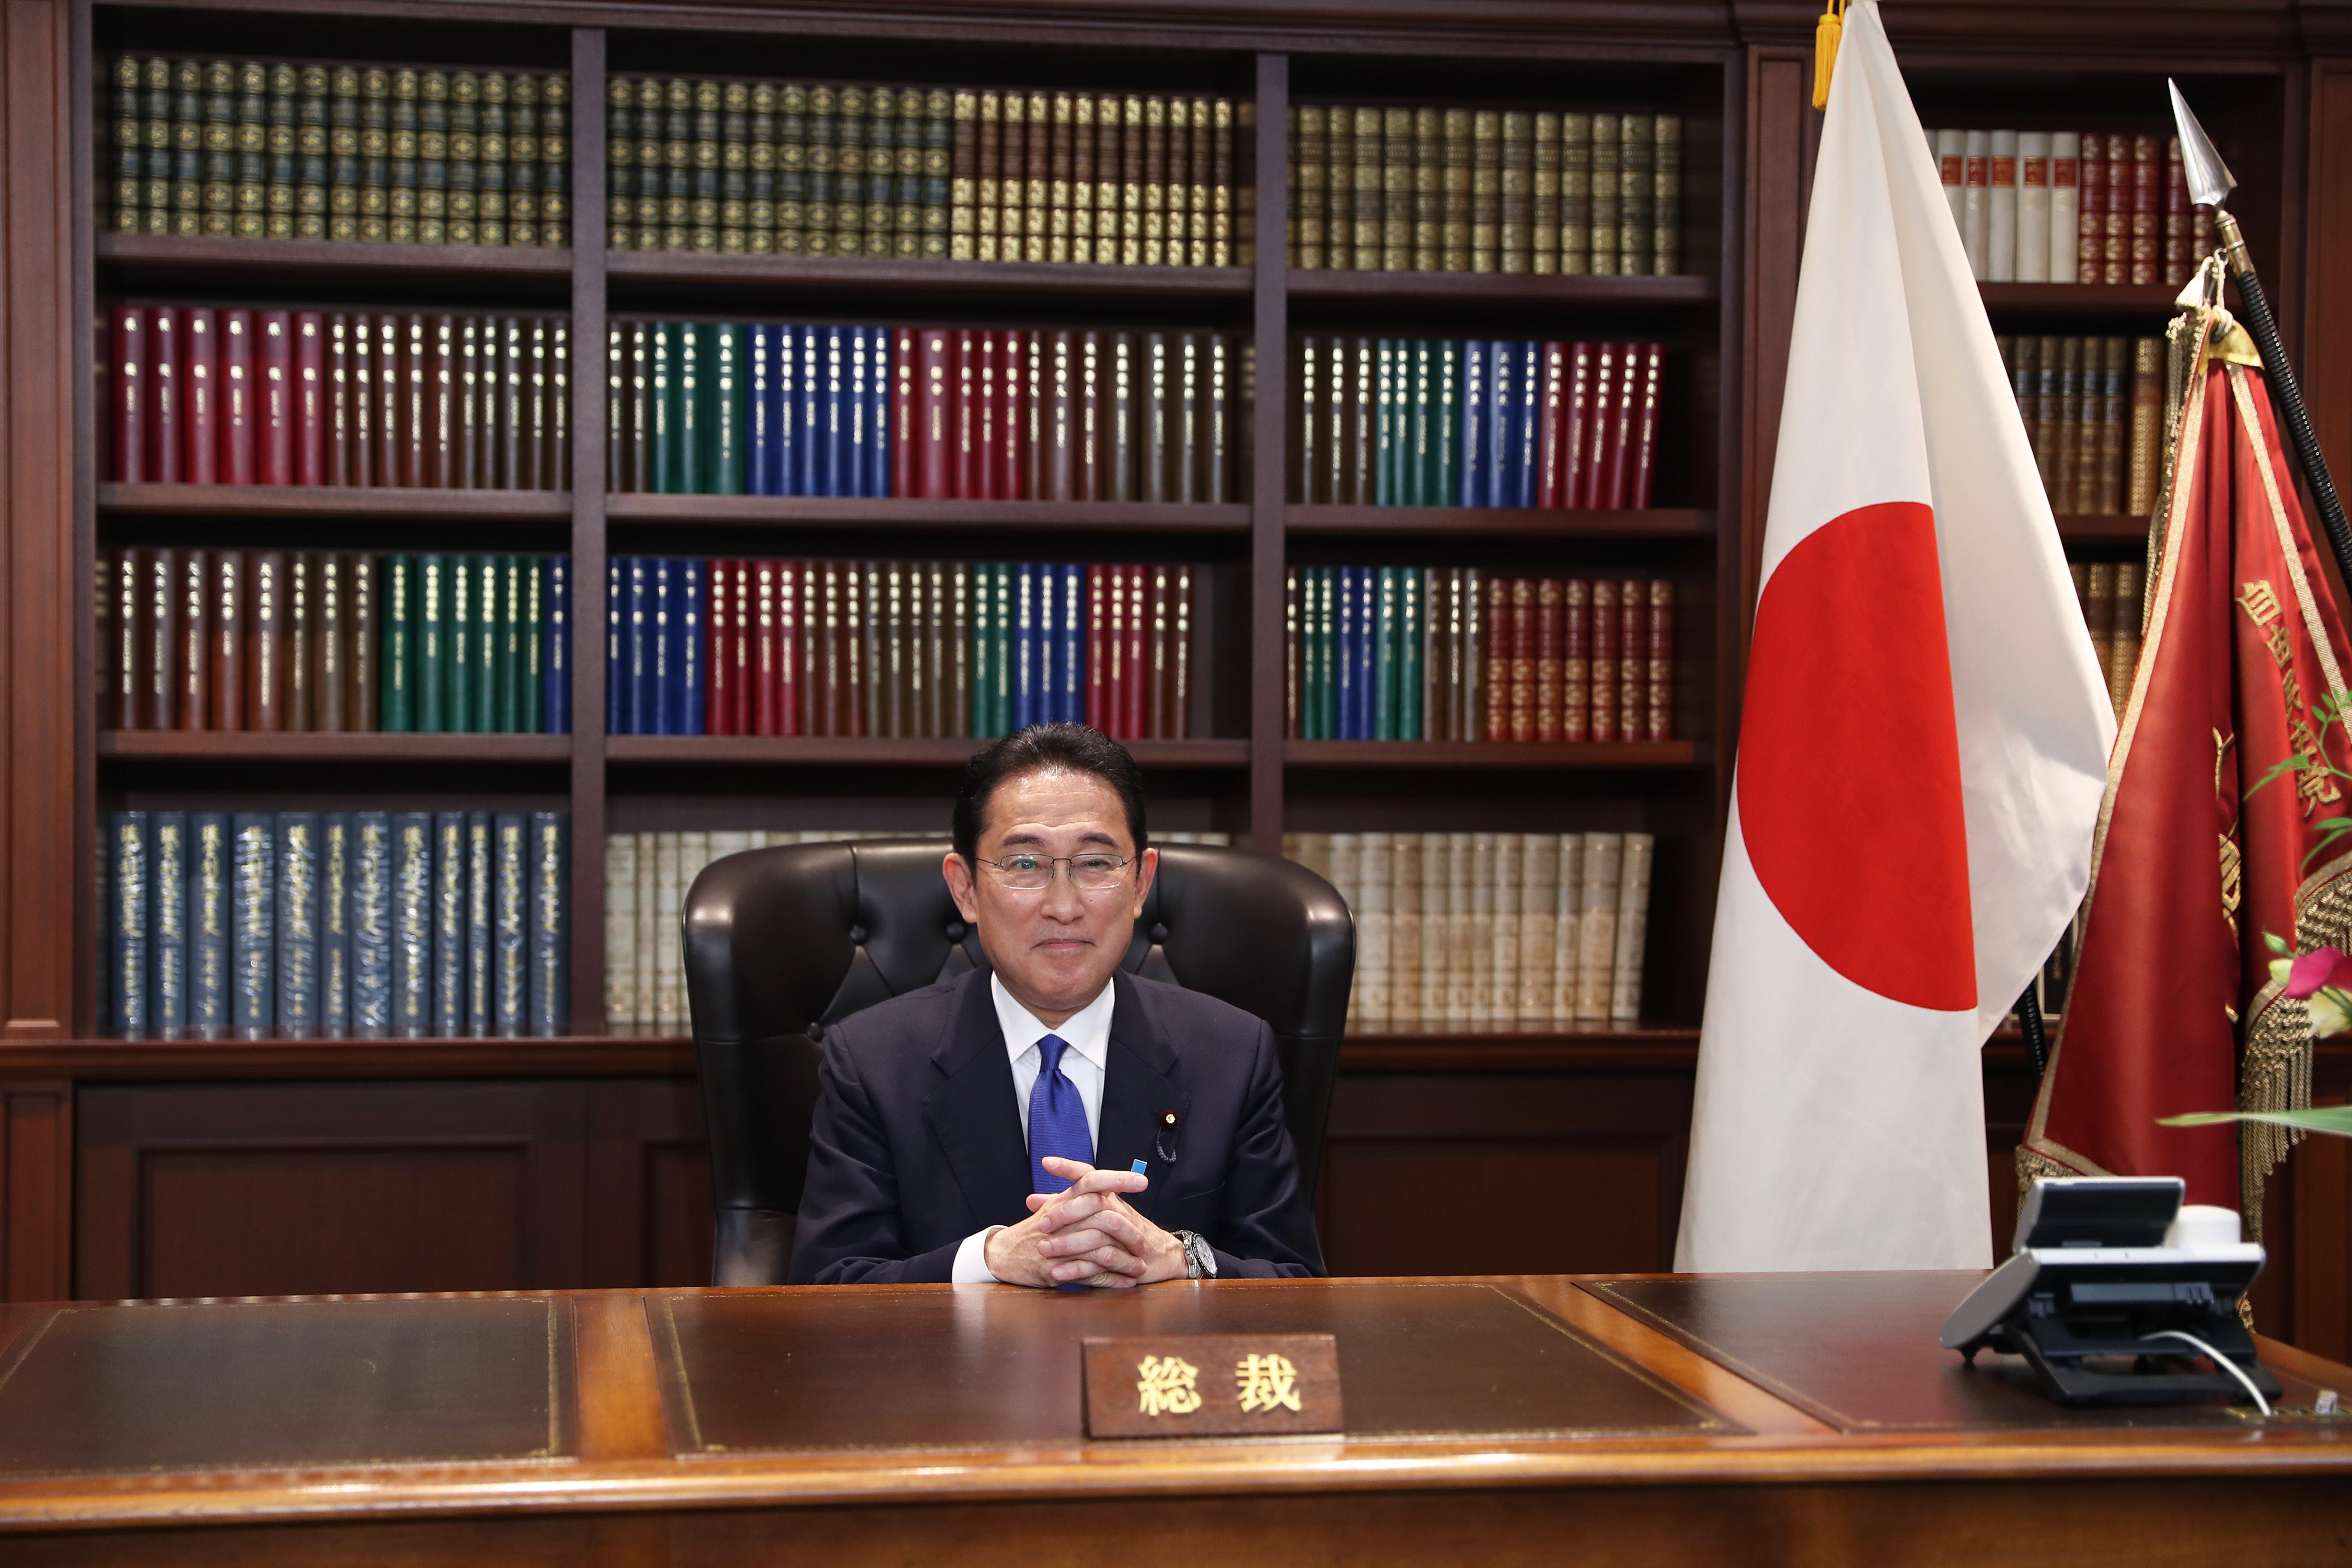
[{"x": 971, "y": 1259}]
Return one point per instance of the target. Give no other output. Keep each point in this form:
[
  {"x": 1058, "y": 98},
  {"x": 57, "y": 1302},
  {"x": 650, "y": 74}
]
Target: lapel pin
[{"x": 1165, "y": 1145}]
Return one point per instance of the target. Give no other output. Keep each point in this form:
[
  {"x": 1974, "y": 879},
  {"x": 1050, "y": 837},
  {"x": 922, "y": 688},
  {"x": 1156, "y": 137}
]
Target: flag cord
[{"x": 1826, "y": 34}]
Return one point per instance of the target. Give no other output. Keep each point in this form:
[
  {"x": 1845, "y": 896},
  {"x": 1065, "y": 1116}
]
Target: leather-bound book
[
  {"x": 1592, "y": 414},
  {"x": 1495, "y": 710},
  {"x": 1153, "y": 420},
  {"x": 1543, "y": 198},
  {"x": 964, "y": 174},
  {"x": 1601, "y": 673},
  {"x": 192, "y": 655},
  {"x": 265, "y": 640},
  {"x": 1131, "y": 140},
  {"x": 1036, "y": 211},
  {"x": 1216, "y": 417},
  {"x": 1105, "y": 173},
  {"x": 2147, "y": 215},
  {"x": 330, "y": 643},
  {"x": 1106, "y": 613},
  {"x": 1338, "y": 187},
  {"x": 1551, "y": 452},
  {"x": 1608, "y": 189},
  {"x": 1513, "y": 245},
  {"x": 1632, "y": 659},
  {"x": 129, "y": 381},
  {"x": 1576, "y": 660},
  {"x": 225, "y": 635},
  {"x": 1155, "y": 182},
  {"x": 1139, "y": 695},
  {"x": 2147, "y": 418},
  {"x": 1520, "y": 702},
  {"x": 438, "y": 431},
  {"x": 555, "y": 455},
  {"x": 163, "y": 411},
  {"x": 437, "y": 623},
  {"x": 1311, "y": 450},
  {"x": 345, "y": 458},
  {"x": 1665, "y": 216},
  {"x": 1309, "y": 153},
  {"x": 159, "y": 640},
  {"x": 535, "y": 467},
  {"x": 1546, "y": 703},
  {"x": 361, "y": 650},
  {"x": 1059, "y": 166},
  {"x": 1662, "y": 660},
  {"x": 934, "y": 446},
  {"x": 638, "y": 417},
  {"x": 2103, "y": 492},
  {"x": 312, "y": 400},
  {"x": 1176, "y": 212},
  {"x": 516, "y": 458},
  {"x": 233, "y": 398},
  {"x": 719, "y": 685},
  {"x": 296, "y": 616},
  {"x": 910, "y": 435},
  {"x": 936, "y": 673},
  {"x": 392, "y": 424},
  {"x": 1084, "y": 141},
  {"x": 1117, "y": 454},
  {"x": 1062, "y": 455},
  {"x": 987, "y": 198},
  {"x": 970, "y": 414},
  {"x": 269, "y": 395},
  {"x": 770, "y": 615},
  {"x": 474, "y": 419},
  {"x": 2066, "y": 463},
  {"x": 1186, "y": 414},
  {"x": 1223, "y": 221},
  {"x": 1637, "y": 190},
  {"x": 1177, "y": 707},
  {"x": 1643, "y": 464},
  {"x": 1012, "y": 184},
  {"x": 1620, "y": 413},
  {"x": 494, "y": 645},
  {"x": 2115, "y": 251}
]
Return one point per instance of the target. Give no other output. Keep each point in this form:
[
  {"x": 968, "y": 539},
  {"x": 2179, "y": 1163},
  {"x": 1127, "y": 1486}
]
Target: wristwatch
[{"x": 1199, "y": 1258}]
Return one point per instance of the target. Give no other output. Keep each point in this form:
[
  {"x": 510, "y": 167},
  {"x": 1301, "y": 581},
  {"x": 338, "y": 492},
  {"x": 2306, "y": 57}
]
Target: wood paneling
[
  {"x": 36, "y": 1191},
  {"x": 648, "y": 1185}
]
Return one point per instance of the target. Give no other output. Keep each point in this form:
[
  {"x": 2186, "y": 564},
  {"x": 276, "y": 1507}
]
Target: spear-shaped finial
[{"x": 2210, "y": 181}]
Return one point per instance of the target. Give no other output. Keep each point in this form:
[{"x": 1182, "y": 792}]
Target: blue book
[
  {"x": 1024, "y": 646},
  {"x": 371, "y": 922},
  {"x": 857, "y": 413},
  {"x": 335, "y": 925},
  {"x": 661, "y": 407},
  {"x": 129, "y": 868},
  {"x": 759, "y": 409},
  {"x": 985, "y": 646},
  {"x": 446, "y": 911},
  {"x": 298, "y": 924},
  {"x": 689, "y": 423},
  {"x": 639, "y": 705},
  {"x": 783, "y": 378},
  {"x": 1384, "y": 655},
  {"x": 1473, "y": 490},
  {"x": 252, "y": 925},
  {"x": 208, "y": 925},
  {"x": 411, "y": 925},
  {"x": 549, "y": 1001},
  {"x": 687, "y": 595},
  {"x": 809, "y": 443},
  {"x": 655, "y": 707},
  {"x": 1073, "y": 681},
  {"x": 1045, "y": 700},
  {"x": 555, "y": 656},
  {"x": 1527, "y": 425},
  {"x": 1502, "y": 422},
  {"x": 482, "y": 897},
  {"x": 1344, "y": 636},
  {"x": 878, "y": 434},
  {"x": 509, "y": 923},
  {"x": 834, "y": 475},
  {"x": 616, "y": 683},
  {"x": 167, "y": 932}
]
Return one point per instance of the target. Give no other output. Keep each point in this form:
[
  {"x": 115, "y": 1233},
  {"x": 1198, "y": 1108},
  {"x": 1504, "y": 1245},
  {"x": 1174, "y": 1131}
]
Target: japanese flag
[{"x": 1922, "y": 748}]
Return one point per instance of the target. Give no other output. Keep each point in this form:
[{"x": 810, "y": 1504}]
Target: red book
[
  {"x": 1102, "y": 613},
  {"x": 1601, "y": 672},
  {"x": 1060, "y": 476},
  {"x": 194, "y": 656},
  {"x": 718, "y": 674},
  {"x": 964, "y": 416},
  {"x": 1575, "y": 660},
  {"x": 130, "y": 466},
  {"x": 119, "y": 692},
  {"x": 2114, "y": 265},
  {"x": 1632, "y": 661},
  {"x": 906, "y": 372},
  {"x": 1136, "y": 691},
  {"x": 445, "y": 375},
  {"x": 274, "y": 397},
  {"x": 1591, "y": 484},
  {"x": 1164, "y": 657},
  {"x": 413, "y": 335},
  {"x": 1497, "y": 616},
  {"x": 766, "y": 675},
  {"x": 2091, "y": 211},
  {"x": 1551, "y": 466},
  {"x": 383, "y": 463},
  {"x": 159, "y": 640},
  {"x": 1522, "y": 701},
  {"x": 940, "y": 451},
  {"x": 199, "y": 396},
  {"x": 238, "y": 415},
  {"x": 1643, "y": 462},
  {"x": 228, "y": 638},
  {"x": 744, "y": 647},
  {"x": 1617, "y": 417},
  {"x": 1662, "y": 660},
  {"x": 265, "y": 640},
  {"x": 2176, "y": 262},
  {"x": 1548, "y": 644},
  {"x": 984, "y": 417},
  {"x": 2146, "y": 210},
  {"x": 163, "y": 439},
  {"x": 1014, "y": 410},
  {"x": 342, "y": 406},
  {"x": 1087, "y": 417},
  {"x": 311, "y": 416}
]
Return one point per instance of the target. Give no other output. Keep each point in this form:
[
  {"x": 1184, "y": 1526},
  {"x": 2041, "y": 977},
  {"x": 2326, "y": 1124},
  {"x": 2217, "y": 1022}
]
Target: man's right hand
[{"x": 1031, "y": 1252}]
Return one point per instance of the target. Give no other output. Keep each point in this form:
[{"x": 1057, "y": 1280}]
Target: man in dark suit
[{"x": 1054, "y": 1122}]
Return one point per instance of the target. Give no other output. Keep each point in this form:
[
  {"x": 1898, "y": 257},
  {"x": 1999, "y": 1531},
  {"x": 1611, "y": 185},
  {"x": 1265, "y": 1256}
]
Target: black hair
[{"x": 1077, "y": 748}]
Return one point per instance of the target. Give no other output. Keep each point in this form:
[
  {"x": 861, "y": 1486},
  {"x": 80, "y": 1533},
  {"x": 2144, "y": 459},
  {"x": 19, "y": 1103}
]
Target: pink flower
[{"x": 2320, "y": 968}]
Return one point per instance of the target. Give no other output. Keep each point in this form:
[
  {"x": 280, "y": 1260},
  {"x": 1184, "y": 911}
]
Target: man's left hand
[{"x": 1082, "y": 1225}]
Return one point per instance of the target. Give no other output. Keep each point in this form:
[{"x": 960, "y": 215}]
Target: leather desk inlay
[
  {"x": 990, "y": 1368},
  {"x": 200, "y": 1386},
  {"x": 1859, "y": 1351}
]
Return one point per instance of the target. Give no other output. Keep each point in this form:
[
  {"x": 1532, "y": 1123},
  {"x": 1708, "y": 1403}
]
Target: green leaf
[
  {"x": 2276, "y": 942},
  {"x": 2294, "y": 763},
  {"x": 2335, "y": 1119}
]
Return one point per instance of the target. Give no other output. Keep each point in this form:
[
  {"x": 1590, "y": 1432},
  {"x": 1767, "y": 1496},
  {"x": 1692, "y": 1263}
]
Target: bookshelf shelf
[
  {"x": 856, "y": 274},
  {"x": 1406, "y": 288},
  {"x": 332, "y": 501},
  {"x": 1499, "y": 523},
  {"x": 1487, "y": 755},
  {"x": 2059, "y": 300},
  {"x": 165, "y": 254},
  {"x": 975, "y": 516},
  {"x": 843, "y": 751},
  {"x": 352, "y": 746},
  {"x": 1639, "y": 1047},
  {"x": 566, "y": 1056},
  {"x": 2092, "y": 528}
]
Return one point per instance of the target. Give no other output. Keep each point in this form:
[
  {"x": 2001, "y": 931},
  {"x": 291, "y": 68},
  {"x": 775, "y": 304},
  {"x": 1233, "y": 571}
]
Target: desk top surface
[{"x": 347, "y": 1406}]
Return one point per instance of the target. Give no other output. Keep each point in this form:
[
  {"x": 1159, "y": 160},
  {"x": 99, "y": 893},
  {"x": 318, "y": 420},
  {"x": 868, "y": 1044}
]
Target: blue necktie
[{"x": 1057, "y": 1119}]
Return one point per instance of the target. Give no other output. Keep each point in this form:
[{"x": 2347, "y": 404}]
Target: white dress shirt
[{"x": 1087, "y": 1032}]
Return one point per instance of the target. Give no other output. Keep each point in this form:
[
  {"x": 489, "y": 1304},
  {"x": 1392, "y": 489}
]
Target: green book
[
  {"x": 1384, "y": 657},
  {"x": 1443, "y": 483},
  {"x": 1002, "y": 724},
  {"x": 432, "y": 707},
  {"x": 1410, "y": 615},
  {"x": 688, "y": 430},
  {"x": 1384, "y": 434},
  {"x": 396, "y": 671},
  {"x": 661, "y": 407},
  {"x": 458, "y": 716},
  {"x": 529, "y": 714},
  {"x": 723, "y": 422},
  {"x": 1417, "y": 479},
  {"x": 495, "y": 672},
  {"x": 1325, "y": 646}
]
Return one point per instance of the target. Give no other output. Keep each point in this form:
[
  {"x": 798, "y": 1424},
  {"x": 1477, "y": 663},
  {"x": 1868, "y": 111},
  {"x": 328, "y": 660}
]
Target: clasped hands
[{"x": 1086, "y": 1236}]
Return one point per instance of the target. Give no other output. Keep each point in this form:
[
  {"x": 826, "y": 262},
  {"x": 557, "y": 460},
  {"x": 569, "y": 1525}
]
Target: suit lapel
[
  {"x": 972, "y": 1111},
  {"x": 1141, "y": 1083}
]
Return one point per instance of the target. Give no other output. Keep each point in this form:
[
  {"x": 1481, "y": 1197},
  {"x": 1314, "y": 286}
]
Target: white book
[
  {"x": 1632, "y": 929},
  {"x": 1437, "y": 894},
  {"x": 1482, "y": 931},
  {"x": 1568, "y": 926},
  {"x": 1404, "y": 931},
  {"x": 1372, "y": 931},
  {"x": 1976, "y": 206},
  {"x": 1596, "y": 948},
  {"x": 1460, "y": 870},
  {"x": 620, "y": 930},
  {"x": 2065, "y": 203},
  {"x": 1952, "y": 167},
  {"x": 1539, "y": 921},
  {"x": 648, "y": 926},
  {"x": 1344, "y": 875},
  {"x": 2000, "y": 224},
  {"x": 2033, "y": 206},
  {"x": 1508, "y": 870},
  {"x": 669, "y": 1001}
]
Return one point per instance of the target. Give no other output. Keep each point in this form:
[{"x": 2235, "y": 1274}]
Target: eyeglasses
[{"x": 1034, "y": 873}]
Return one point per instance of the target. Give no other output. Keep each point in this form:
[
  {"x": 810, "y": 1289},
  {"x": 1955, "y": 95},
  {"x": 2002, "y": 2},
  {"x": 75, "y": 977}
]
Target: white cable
[{"x": 2224, "y": 1362}]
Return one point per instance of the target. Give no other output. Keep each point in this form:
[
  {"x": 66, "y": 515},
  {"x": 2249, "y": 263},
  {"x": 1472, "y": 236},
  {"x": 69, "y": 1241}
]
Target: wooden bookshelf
[
  {"x": 344, "y": 746},
  {"x": 155, "y": 256},
  {"x": 333, "y": 502},
  {"x": 877, "y": 751},
  {"x": 1489, "y": 755},
  {"x": 1496, "y": 288},
  {"x": 2094, "y": 527},
  {"x": 976, "y": 517},
  {"x": 2052, "y": 301},
  {"x": 832, "y": 274},
  {"x": 1664, "y": 523}
]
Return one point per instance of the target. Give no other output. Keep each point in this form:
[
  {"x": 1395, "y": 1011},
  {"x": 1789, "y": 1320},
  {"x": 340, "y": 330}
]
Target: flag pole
[
  {"x": 2029, "y": 1024},
  {"x": 2209, "y": 184}
]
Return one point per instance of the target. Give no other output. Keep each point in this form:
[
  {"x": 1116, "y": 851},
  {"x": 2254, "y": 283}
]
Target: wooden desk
[{"x": 1799, "y": 1419}]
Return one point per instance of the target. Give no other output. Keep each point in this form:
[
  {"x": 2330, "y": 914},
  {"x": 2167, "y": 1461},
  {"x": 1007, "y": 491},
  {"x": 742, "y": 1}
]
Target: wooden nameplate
[{"x": 1212, "y": 1386}]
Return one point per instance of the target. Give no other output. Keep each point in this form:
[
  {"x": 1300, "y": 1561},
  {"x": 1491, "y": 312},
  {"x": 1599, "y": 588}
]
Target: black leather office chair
[{"x": 781, "y": 943}]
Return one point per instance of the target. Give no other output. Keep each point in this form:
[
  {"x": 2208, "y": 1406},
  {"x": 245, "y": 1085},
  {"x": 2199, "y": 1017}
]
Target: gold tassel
[{"x": 1826, "y": 34}]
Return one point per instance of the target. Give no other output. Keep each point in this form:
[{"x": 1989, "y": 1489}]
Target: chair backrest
[{"x": 781, "y": 943}]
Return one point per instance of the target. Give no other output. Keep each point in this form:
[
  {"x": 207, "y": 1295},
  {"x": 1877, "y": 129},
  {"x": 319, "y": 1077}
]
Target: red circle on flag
[{"x": 1848, "y": 775}]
